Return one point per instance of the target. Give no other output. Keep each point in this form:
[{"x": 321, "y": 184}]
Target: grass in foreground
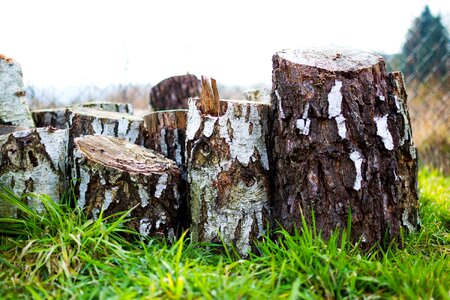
[{"x": 63, "y": 255}]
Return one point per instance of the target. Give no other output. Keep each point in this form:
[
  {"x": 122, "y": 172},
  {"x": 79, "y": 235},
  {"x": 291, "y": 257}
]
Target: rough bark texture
[
  {"x": 33, "y": 160},
  {"x": 55, "y": 117},
  {"x": 340, "y": 143},
  {"x": 108, "y": 106},
  {"x": 13, "y": 104},
  {"x": 115, "y": 175},
  {"x": 167, "y": 135},
  {"x": 174, "y": 92},
  {"x": 227, "y": 171},
  {"x": 88, "y": 121}
]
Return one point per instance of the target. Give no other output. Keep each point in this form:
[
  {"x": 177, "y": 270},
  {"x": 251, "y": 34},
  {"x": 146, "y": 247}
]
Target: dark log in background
[
  {"x": 115, "y": 176},
  {"x": 340, "y": 142},
  {"x": 227, "y": 169},
  {"x": 174, "y": 92}
]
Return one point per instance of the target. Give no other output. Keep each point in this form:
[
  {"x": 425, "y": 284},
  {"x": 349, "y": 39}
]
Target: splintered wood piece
[
  {"x": 33, "y": 160},
  {"x": 14, "y": 108},
  {"x": 209, "y": 99},
  {"x": 114, "y": 175},
  {"x": 341, "y": 143}
]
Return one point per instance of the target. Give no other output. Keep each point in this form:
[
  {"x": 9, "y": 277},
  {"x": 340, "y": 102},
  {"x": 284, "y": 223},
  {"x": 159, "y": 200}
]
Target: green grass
[{"x": 63, "y": 255}]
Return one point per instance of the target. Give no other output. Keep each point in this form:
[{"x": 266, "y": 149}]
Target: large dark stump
[{"x": 341, "y": 143}]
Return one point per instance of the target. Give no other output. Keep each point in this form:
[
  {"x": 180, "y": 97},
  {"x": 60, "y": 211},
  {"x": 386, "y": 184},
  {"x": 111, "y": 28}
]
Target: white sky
[{"x": 69, "y": 43}]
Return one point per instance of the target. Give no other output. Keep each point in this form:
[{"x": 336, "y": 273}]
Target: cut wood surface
[
  {"x": 108, "y": 106},
  {"x": 174, "y": 92},
  {"x": 55, "y": 117},
  {"x": 13, "y": 103},
  {"x": 341, "y": 143},
  {"x": 89, "y": 121},
  {"x": 227, "y": 169},
  {"x": 115, "y": 175},
  {"x": 33, "y": 160}
]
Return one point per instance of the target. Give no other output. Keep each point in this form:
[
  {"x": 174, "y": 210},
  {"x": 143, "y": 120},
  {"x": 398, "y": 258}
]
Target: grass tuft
[{"x": 62, "y": 254}]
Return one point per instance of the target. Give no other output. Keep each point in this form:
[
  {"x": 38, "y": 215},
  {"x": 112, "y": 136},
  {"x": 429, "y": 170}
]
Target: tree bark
[
  {"x": 167, "y": 135},
  {"x": 340, "y": 144},
  {"x": 115, "y": 175},
  {"x": 88, "y": 121},
  {"x": 108, "y": 106},
  {"x": 13, "y": 104},
  {"x": 174, "y": 92},
  {"x": 55, "y": 117},
  {"x": 33, "y": 160},
  {"x": 227, "y": 169}
]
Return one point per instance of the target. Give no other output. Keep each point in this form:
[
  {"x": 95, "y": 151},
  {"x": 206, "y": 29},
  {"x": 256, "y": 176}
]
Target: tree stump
[
  {"x": 33, "y": 160},
  {"x": 174, "y": 92},
  {"x": 340, "y": 144},
  {"x": 227, "y": 169},
  {"x": 89, "y": 121},
  {"x": 108, "y": 106},
  {"x": 13, "y": 104},
  {"x": 115, "y": 175},
  {"x": 55, "y": 117},
  {"x": 167, "y": 135}
]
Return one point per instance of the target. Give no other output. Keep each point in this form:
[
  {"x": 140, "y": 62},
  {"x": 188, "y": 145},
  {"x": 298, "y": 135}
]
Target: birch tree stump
[
  {"x": 174, "y": 92},
  {"x": 55, "y": 117},
  {"x": 227, "y": 169},
  {"x": 115, "y": 175},
  {"x": 13, "y": 104},
  {"x": 341, "y": 143},
  {"x": 167, "y": 135},
  {"x": 89, "y": 121},
  {"x": 108, "y": 106},
  {"x": 33, "y": 160}
]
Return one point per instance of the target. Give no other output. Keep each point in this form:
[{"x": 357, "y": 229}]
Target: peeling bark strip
[
  {"x": 33, "y": 160},
  {"x": 340, "y": 141},
  {"x": 13, "y": 104},
  {"x": 55, "y": 117},
  {"x": 126, "y": 108},
  {"x": 227, "y": 172},
  {"x": 115, "y": 175},
  {"x": 88, "y": 121},
  {"x": 174, "y": 92}
]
